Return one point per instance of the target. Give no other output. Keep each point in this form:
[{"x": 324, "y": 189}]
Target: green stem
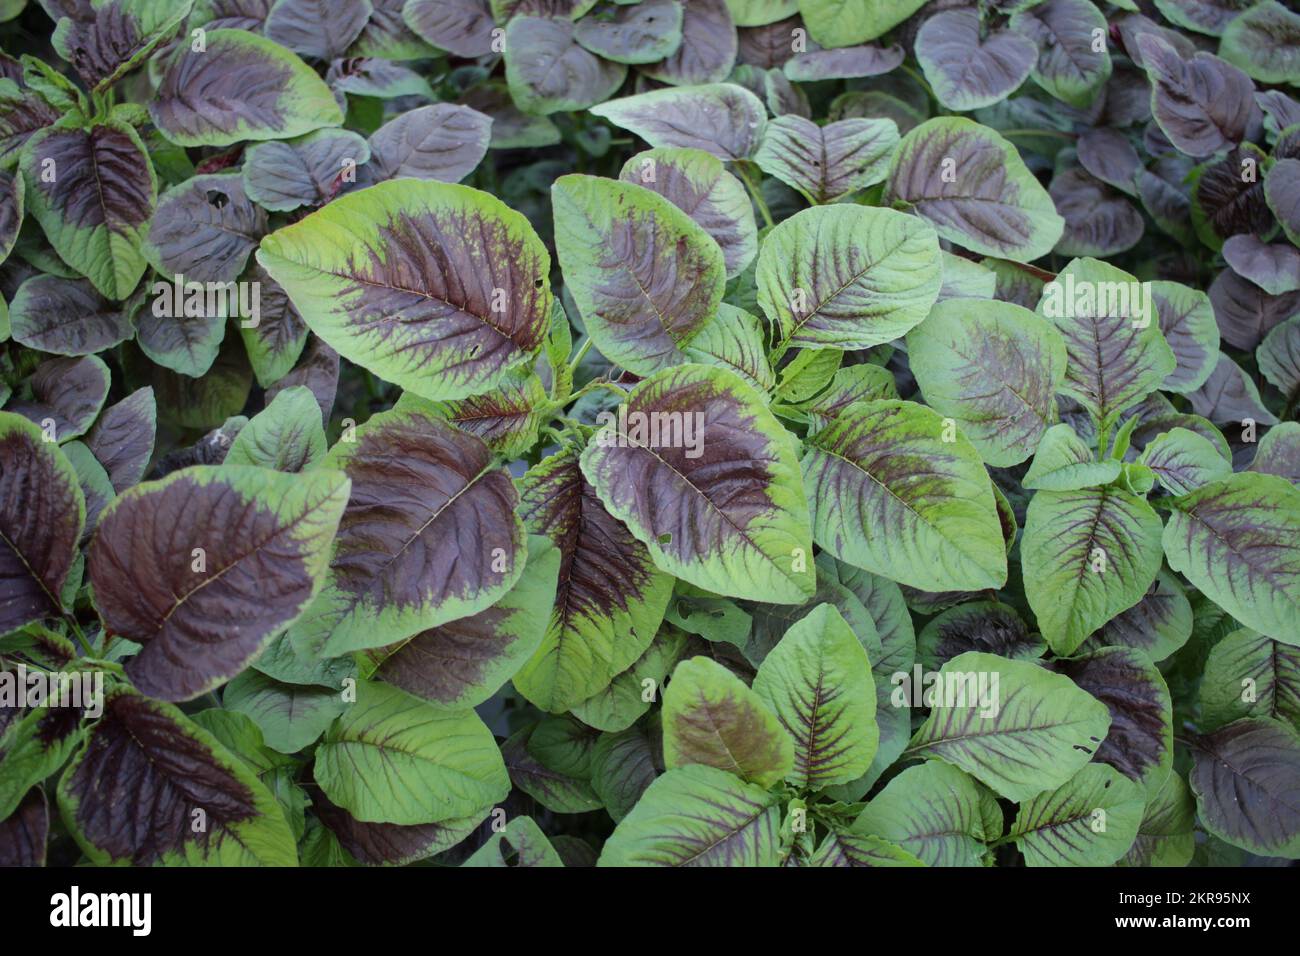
[
  {"x": 1068, "y": 137},
  {"x": 756, "y": 194},
  {"x": 81, "y": 637},
  {"x": 583, "y": 349},
  {"x": 924, "y": 84}
]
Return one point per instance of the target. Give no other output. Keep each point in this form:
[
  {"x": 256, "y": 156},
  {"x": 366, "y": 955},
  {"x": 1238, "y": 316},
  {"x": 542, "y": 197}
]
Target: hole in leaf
[{"x": 217, "y": 198}]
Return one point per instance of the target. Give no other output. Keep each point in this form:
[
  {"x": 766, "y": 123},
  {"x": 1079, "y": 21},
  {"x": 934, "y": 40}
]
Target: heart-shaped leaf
[
  {"x": 1069, "y": 67},
  {"x": 1202, "y": 104},
  {"x": 828, "y": 162},
  {"x": 549, "y": 71},
  {"x": 708, "y": 48},
  {"x": 967, "y": 67}
]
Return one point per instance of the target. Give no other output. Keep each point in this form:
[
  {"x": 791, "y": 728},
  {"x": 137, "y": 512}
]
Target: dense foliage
[{"x": 676, "y": 432}]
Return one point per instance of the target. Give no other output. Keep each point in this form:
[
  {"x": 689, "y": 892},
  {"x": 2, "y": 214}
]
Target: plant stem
[
  {"x": 81, "y": 637},
  {"x": 756, "y": 194},
  {"x": 1068, "y": 137},
  {"x": 583, "y": 349}
]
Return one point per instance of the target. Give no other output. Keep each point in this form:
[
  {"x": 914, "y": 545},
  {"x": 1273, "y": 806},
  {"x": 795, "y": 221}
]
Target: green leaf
[
  {"x": 817, "y": 680},
  {"x": 848, "y": 277},
  {"x": 1091, "y": 820},
  {"x": 1238, "y": 541},
  {"x": 933, "y": 811},
  {"x": 36, "y": 742},
  {"x": 291, "y": 716},
  {"x": 1183, "y": 461},
  {"x": 852, "y": 383},
  {"x": 393, "y": 759},
  {"x": 835, "y": 23},
  {"x": 556, "y": 791},
  {"x": 993, "y": 366},
  {"x": 758, "y": 13},
  {"x": 619, "y": 705},
  {"x": 286, "y": 435},
  {"x": 870, "y": 511},
  {"x": 438, "y": 288},
  {"x": 734, "y": 340},
  {"x": 623, "y": 765},
  {"x": 1247, "y": 675},
  {"x": 1117, "y": 353},
  {"x": 698, "y": 816},
  {"x": 521, "y": 844},
  {"x": 1165, "y": 836},
  {"x": 1087, "y": 556},
  {"x": 1029, "y": 731},
  {"x": 1064, "y": 462},
  {"x": 1265, "y": 42},
  {"x": 1158, "y": 625},
  {"x": 644, "y": 275},
  {"x": 508, "y": 418},
  {"x": 710, "y": 717},
  {"x": 856, "y": 849}
]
